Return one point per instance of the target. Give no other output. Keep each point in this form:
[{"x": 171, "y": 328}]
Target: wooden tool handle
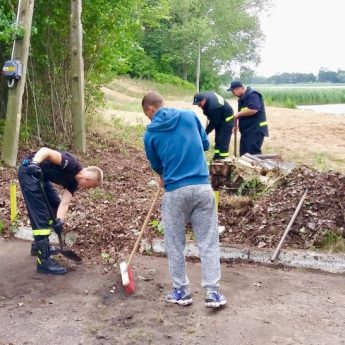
[
  {"x": 235, "y": 137},
  {"x": 143, "y": 227},
  {"x": 274, "y": 256}
]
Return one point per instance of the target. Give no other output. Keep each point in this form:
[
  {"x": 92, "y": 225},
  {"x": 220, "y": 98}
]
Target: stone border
[{"x": 333, "y": 263}]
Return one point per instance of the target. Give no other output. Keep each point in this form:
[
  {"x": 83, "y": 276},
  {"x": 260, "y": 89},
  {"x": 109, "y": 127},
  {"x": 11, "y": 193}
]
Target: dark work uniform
[
  {"x": 221, "y": 119},
  {"x": 253, "y": 128},
  {"x": 63, "y": 175}
]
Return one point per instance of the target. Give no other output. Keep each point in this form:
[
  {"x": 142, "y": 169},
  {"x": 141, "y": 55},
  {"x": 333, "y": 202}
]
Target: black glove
[
  {"x": 58, "y": 226},
  {"x": 34, "y": 170}
]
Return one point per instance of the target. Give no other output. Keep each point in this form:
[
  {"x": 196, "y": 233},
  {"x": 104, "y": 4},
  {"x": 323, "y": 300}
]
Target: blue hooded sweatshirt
[{"x": 175, "y": 142}]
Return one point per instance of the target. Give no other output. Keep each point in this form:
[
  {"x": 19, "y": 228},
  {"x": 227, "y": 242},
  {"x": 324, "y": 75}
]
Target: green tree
[{"x": 228, "y": 32}]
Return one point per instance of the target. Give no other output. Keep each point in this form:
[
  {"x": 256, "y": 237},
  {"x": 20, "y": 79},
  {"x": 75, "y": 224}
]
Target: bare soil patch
[{"x": 88, "y": 307}]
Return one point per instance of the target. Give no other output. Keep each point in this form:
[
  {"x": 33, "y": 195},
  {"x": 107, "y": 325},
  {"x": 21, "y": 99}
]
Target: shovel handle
[
  {"x": 52, "y": 215},
  {"x": 235, "y": 137},
  {"x": 143, "y": 228},
  {"x": 276, "y": 252}
]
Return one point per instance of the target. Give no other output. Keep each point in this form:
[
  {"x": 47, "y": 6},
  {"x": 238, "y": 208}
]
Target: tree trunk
[
  {"x": 15, "y": 94},
  {"x": 77, "y": 72},
  {"x": 197, "y": 82}
]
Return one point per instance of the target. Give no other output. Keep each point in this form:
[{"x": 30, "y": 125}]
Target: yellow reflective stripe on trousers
[
  {"x": 216, "y": 151},
  {"x": 228, "y": 119},
  {"x": 263, "y": 124},
  {"x": 224, "y": 154},
  {"x": 41, "y": 232}
]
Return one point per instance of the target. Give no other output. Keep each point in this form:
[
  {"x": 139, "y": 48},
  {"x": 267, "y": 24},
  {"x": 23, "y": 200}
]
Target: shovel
[
  {"x": 68, "y": 253},
  {"x": 235, "y": 138}
]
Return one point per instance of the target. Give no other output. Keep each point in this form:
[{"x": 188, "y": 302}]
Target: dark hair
[{"x": 152, "y": 98}]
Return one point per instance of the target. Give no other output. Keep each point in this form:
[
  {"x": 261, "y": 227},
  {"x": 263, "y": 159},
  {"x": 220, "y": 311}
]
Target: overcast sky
[{"x": 303, "y": 36}]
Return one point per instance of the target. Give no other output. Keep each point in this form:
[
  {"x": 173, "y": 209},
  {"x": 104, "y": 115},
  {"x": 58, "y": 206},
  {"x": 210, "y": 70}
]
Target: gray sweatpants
[{"x": 196, "y": 204}]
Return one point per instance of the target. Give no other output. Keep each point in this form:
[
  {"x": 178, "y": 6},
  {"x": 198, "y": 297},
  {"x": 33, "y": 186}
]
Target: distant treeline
[{"x": 324, "y": 76}]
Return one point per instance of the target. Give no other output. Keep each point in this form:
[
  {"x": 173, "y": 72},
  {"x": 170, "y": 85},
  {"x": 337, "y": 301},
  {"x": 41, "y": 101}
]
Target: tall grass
[{"x": 291, "y": 97}]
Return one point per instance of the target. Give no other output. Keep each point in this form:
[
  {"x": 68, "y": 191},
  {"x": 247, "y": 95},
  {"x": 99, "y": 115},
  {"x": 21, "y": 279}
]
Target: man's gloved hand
[
  {"x": 58, "y": 226},
  {"x": 34, "y": 169}
]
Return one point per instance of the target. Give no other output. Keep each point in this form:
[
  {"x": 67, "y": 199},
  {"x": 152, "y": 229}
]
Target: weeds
[
  {"x": 158, "y": 227},
  {"x": 333, "y": 242},
  {"x": 320, "y": 161},
  {"x": 251, "y": 187}
]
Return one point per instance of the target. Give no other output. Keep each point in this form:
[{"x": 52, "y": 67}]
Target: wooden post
[
  {"x": 198, "y": 63},
  {"x": 77, "y": 72},
  {"x": 15, "y": 94}
]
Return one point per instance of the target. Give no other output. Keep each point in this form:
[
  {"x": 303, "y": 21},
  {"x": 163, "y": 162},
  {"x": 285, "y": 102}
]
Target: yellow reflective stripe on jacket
[
  {"x": 220, "y": 99},
  {"x": 244, "y": 108},
  {"x": 228, "y": 119},
  {"x": 224, "y": 154},
  {"x": 263, "y": 124},
  {"x": 41, "y": 232}
]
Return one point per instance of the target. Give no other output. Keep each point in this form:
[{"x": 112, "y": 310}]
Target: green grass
[
  {"x": 131, "y": 135},
  {"x": 290, "y": 96},
  {"x": 138, "y": 87},
  {"x": 132, "y": 107},
  {"x": 293, "y": 96},
  {"x": 333, "y": 242}
]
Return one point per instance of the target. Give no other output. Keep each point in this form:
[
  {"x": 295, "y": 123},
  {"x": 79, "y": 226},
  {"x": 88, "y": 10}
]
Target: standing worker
[
  {"x": 220, "y": 118},
  {"x": 48, "y": 166},
  {"x": 175, "y": 142},
  {"x": 251, "y": 116}
]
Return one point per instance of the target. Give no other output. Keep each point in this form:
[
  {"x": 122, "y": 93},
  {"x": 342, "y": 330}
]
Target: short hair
[
  {"x": 152, "y": 98},
  {"x": 97, "y": 172}
]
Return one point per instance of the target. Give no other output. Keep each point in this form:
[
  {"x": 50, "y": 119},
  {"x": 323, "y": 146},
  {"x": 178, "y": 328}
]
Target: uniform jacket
[{"x": 252, "y": 99}]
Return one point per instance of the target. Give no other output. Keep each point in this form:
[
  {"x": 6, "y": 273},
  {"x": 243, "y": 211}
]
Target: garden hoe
[
  {"x": 125, "y": 267},
  {"x": 70, "y": 254}
]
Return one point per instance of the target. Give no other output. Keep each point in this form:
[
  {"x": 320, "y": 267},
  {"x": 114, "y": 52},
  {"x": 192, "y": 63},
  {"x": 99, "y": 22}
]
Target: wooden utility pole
[
  {"x": 15, "y": 94},
  {"x": 198, "y": 62},
  {"x": 77, "y": 71}
]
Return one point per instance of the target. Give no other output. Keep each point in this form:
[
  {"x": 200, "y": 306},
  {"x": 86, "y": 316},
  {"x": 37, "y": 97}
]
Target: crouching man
[{"x": 48, "y": 166}]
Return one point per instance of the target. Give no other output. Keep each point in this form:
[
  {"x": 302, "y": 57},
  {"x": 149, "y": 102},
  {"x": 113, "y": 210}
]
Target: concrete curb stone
[
  {"x": 333, "y": 263},
  {"x": 327, "y": 262}
]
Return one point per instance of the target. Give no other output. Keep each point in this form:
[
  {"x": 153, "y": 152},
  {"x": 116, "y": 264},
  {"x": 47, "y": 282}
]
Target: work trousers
[
  {"x": 195, "y": 204},
  {"x": 251, "y": 143},
  {"x": 222, "y": 140},
  {"x": 39, "y": 215}
]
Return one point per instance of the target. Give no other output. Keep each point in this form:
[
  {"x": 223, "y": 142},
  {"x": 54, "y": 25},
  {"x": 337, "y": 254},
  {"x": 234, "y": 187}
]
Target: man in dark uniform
[
  {"x": 251, "y": 116},
  {"x": 220, "y": 118},
  {"x": 49, "y": 166}
]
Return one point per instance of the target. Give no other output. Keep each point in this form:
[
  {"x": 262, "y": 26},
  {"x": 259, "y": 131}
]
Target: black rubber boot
[
  {"x": 34, "y": 250},
  {"x": 44, "y": 263}
]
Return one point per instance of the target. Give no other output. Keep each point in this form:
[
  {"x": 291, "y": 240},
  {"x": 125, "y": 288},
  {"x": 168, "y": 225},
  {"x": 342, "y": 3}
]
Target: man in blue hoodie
[{"x": 175, "y": 142}]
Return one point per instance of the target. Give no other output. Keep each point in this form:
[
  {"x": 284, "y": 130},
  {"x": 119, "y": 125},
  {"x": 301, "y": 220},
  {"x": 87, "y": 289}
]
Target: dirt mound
[
  {"x": 264, "y": 220},
  {"x": 107, "y": 219}
]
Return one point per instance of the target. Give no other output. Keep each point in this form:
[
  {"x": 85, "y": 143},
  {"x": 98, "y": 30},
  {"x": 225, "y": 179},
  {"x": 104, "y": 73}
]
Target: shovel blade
[{"x": 70, "y": 254}]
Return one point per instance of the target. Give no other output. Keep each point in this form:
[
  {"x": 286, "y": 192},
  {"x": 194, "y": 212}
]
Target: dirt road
[{"x": 266, "y": 306}]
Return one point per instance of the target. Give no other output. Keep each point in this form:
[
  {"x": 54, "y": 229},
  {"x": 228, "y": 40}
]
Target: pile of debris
[
  {"x": 261, "y": 221},
  {"x": 230, "y": 173}
]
